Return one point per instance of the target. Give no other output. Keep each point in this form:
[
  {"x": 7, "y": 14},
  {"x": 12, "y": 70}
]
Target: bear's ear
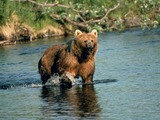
[
  {"x": 77, "y": 33},
  {"x": 94, "y": 32}
]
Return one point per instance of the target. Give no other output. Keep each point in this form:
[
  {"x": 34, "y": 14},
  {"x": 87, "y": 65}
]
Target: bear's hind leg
[
  {"x": 45, "y": 77},
  {"x": 43, "y": 72}
]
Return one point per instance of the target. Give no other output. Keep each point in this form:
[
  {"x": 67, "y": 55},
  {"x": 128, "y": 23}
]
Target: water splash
[
  {"x": 66, "y": 79},
  {"x": 36, "y": 85},
  {"x": 54, "y": 80}
]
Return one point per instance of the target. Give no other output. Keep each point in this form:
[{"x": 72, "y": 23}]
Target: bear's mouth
[
  {"x": 90, "y": 50},
  {"x": 89, "y": 47}
]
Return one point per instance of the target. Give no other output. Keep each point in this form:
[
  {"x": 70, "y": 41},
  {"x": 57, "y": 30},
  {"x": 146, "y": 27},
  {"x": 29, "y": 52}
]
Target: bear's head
[{"x": 87, "y": 42}]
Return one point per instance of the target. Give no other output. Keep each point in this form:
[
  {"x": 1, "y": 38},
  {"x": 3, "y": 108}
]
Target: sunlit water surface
[{"x": 127, "y": 81}]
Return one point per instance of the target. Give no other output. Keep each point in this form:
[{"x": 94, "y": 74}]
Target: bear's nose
[{"x": 89, "y": 44}]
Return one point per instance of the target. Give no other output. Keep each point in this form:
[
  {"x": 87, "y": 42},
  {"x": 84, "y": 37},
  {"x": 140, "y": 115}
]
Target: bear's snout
[{"x": 89, "y": 46}]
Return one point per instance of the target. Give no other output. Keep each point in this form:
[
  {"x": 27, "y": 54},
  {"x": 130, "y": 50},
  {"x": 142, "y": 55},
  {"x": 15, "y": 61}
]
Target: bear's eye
[
  {"x": 92, "y": 41},
  {"x": 85, "y": 41}
]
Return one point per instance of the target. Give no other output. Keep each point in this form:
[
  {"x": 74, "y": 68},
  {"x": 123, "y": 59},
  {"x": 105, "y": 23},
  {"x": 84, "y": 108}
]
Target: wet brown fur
[{"x": 76, "y": 57}]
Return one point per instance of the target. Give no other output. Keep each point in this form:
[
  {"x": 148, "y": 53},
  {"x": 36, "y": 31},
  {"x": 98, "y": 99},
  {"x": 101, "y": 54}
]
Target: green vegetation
[{"x": 31, "y": 19}]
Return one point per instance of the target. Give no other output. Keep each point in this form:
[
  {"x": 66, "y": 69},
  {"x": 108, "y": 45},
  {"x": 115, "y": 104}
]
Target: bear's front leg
[
  {"x": 87, "y": 79},
  {"x": 67, "y": 79},
  {"x": 87, "y": 72}
]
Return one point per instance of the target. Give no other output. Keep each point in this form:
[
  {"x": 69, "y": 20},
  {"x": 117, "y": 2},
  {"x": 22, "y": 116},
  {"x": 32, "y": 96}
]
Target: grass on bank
[{"x": 25, "y": 20}]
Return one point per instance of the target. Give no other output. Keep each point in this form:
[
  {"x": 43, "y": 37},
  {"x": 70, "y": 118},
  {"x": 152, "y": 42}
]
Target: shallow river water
[{"x": 127, "y": 81}]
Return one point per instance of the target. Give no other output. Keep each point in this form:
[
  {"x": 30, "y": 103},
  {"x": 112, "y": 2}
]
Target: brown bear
[{"x": 76, "y": 57}]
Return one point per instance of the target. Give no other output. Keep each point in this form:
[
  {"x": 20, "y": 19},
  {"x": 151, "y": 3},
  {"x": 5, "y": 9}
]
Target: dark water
[{"x": 127, "y": 81}]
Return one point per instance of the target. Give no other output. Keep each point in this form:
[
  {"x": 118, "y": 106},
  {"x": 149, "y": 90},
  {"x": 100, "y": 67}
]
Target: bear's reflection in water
[{"x": 76, "y": 102}]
